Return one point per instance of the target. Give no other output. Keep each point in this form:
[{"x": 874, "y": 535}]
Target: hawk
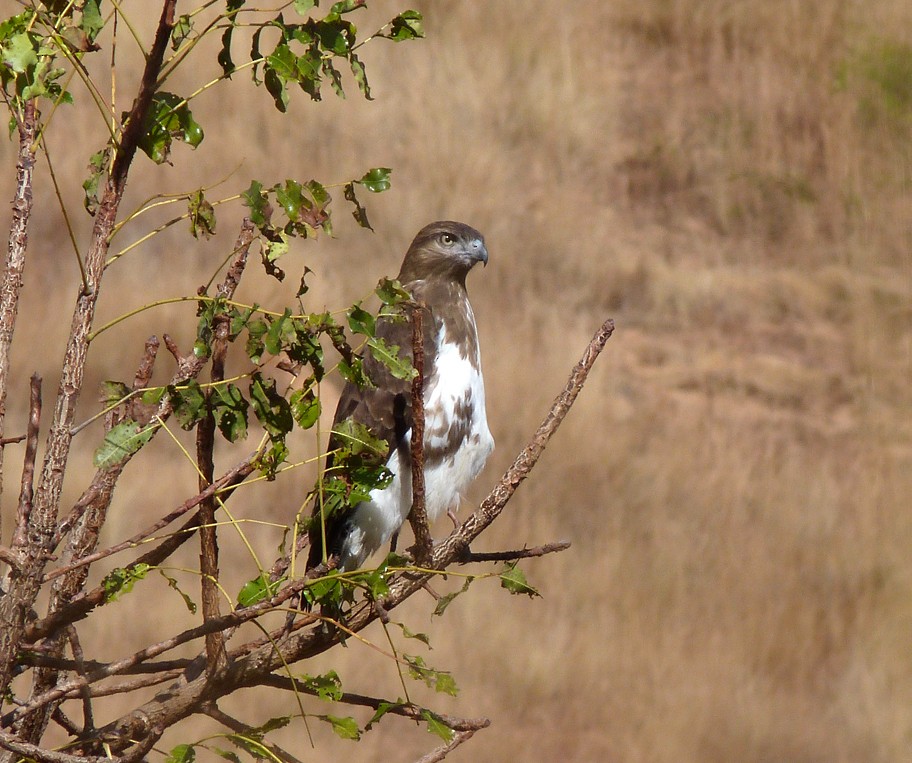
[{"x": 457, "y": 441}]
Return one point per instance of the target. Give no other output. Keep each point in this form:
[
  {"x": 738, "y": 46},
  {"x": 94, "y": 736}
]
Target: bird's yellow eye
[{"x": 447, "y": 239}]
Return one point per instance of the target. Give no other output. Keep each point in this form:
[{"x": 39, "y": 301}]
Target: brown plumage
[{"x": 457, "y": 439}]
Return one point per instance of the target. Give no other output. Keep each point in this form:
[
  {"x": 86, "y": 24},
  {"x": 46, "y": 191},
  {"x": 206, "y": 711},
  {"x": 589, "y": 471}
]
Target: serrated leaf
[
  {"x": 154, "y": 395},
  {"x": 439, "y": 680},
  {"x": 122, "y": 441},
  {"x": 360, "y": 321},
  {"x": 229, "y": 406},
  {"x": 305, "y": 407},
  {"x": 358, "y": 439},
  {"x": 376, "y": 180},
  {"x": 120, "y": 581},
  {"x": 345, "y": 728},
  {"x": 514, "y": 580},
  {"x": 391, "y": 292},
  {"x": 271, "y": 409},
  {"x": 436, "y": 726},
  {"x": 388, "y": 355},
  {"x": 182, "y": 28},
  {"x": 255, "y": 200},
  {"x": 113, "y": 392},
  {"x": 226, "y": 754},
  {"x": 182, "y": 753},
  {"x": 189, "y": 403},
  {"x": 190, "y": 604},
  {"x": 327, "y": 687},
  {"x": 257, "y": 590},
  {"x": 360, "y": 75},
  {"x": 359, "y": 212},
  {"x": 422, "y": 637},
  {"x": 202, "y": 216},
  {"x": 444, "y": 601},
  {"x": 406, "y": 26},
  {"x": 382, "y": 709},
  {"x": 169, "y": 118}
]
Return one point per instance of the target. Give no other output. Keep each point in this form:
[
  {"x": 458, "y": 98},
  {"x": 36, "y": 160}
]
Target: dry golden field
[{"x": 731, "y": 181}]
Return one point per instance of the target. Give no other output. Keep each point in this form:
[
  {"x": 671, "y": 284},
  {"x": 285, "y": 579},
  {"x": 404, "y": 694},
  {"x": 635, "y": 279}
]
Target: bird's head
[{"x": 443, "y": 250}]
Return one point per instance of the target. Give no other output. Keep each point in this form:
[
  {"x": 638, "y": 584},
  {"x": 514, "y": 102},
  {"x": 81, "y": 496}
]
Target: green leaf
[
  {"x": 513, "y": 579},
  {"x": 444, "y": 601},
  {"x": 360, "y": 75},
  {"x": 345, "y": 728},
  {"x": 406, "y": 26},
  {"x": 188, "y": 402},
  {"x": 436, "y": 726},
  {"x": 229, "y": 406},
  {"x": 114, "y": 392},
  {"x": 255, "y": 200},
  {"x": 305, "y": 407},
  {"x": 154, "y": 395},
  {"x": 358, "y": 440},
  {"x": 183, "y": 753},
  {"x": 202, "y": 216},
  {"x": 190, "y": 604},
  {"x": 97, "y": 164},
  {"x": 360, "y": 321},
  {"x": 391, "y": 292},
  {"x": 327, "y": 686},
  {"x": 122, "y": 441},
  {"x": 271, "y": 409},
  {"x": 121, "y": 580},
  {"x": 20, "y": 52},
  {"x": 388, "y": 355},
  {"x": 359, "y": 212},
  {"x": 181, "y": 31},
  {"x": 169, "y": 118},
  {"x": 422, "y": 637},
  {"x": 382, "y": 709},
  {"x": 257, "y": 590},
  {"x": 440, "y": 681},
  {"x": 303, "y": 6},
  {"x": 226, "y": 754},
  {"x": 376, "y": 180},
  {"x": 92, "y": 20}
]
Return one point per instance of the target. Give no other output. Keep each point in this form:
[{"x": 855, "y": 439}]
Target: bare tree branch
[
  {"x": 20, "y": 538},
  {"x": 418, "y": 515},
  {"x": 508, "y": 556},
  {"x": 14, "y": 267}
]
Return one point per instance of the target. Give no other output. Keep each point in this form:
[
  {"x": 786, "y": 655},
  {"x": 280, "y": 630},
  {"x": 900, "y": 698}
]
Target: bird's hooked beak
[{"x": 477, "y": 251}]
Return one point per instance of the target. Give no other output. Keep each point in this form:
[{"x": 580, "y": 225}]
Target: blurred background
[{"x": 731, "y": 181}]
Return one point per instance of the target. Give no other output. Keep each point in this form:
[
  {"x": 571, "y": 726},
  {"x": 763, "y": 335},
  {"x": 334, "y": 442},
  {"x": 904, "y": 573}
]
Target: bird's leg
[
  {"x": 393, "y": 541},
  {"x": 452, "y": 515}
]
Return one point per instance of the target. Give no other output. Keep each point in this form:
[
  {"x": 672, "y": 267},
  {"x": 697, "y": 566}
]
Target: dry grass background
[{"x": 732, "y": 182}]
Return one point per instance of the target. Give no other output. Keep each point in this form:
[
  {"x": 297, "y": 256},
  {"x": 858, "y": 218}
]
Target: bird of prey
[{"x": 457, "y": 441}]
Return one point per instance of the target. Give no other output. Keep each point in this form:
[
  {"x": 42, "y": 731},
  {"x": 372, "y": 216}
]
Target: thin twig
[
  {"x": 241, "y": 728},
  {"x": 28, "y": 467},
  {"x": 418, "y": 514},
  {"x": 405, "y": 709},
  {"x": 231, "y": 477},
  {"x": 508, "y": 556}
]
